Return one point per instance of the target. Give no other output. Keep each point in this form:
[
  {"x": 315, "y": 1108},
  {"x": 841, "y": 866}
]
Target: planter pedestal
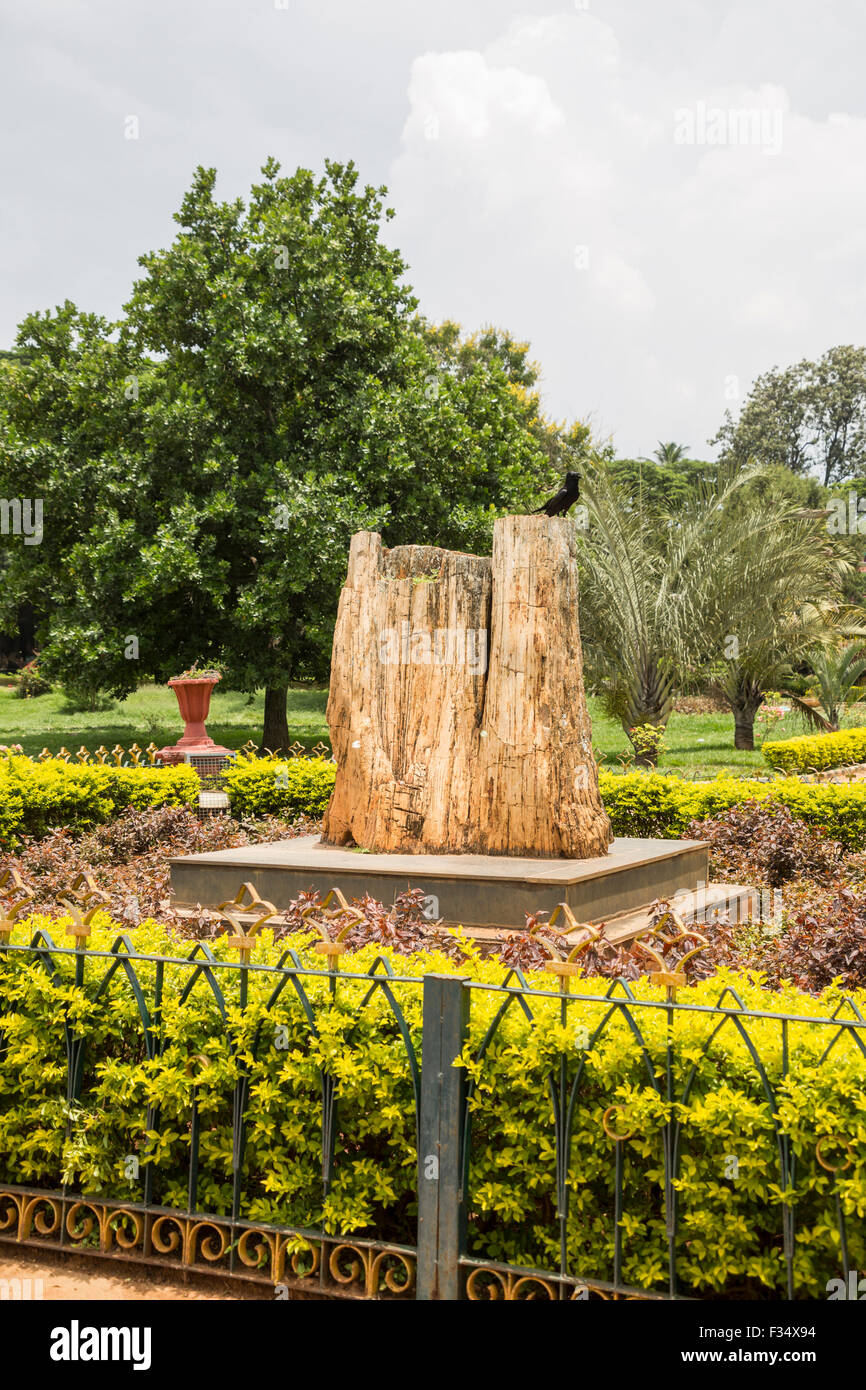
[
  {"x": 179, "y": 753},
  {"x": 193, "y": 697}
]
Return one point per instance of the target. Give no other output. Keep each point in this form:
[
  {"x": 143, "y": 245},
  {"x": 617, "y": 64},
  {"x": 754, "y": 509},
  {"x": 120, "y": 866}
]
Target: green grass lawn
[
  {"x": 698, "y": 744},
  {"x": 151, "y": 714}
]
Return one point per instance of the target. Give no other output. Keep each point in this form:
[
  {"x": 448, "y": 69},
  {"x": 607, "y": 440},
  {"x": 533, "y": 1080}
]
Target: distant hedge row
[
  {"x": 34, "y": 797},
  {"x": 815, "y": 752},
  {"x": 643, "y": 804},
  {"x": 652, "y": 804},
  {"x": 37, "y": 796},
  {"x": 638, "y": 803},
  {"x": 295, "y": 787}
]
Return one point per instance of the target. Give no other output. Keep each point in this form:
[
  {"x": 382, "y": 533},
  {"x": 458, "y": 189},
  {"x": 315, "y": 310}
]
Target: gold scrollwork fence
[
  {"x": 307, "y": 1262},
  {"x": 134, "y": 756}
]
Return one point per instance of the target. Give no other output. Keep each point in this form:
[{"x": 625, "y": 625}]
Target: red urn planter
[{"x": 193, "y": 696}]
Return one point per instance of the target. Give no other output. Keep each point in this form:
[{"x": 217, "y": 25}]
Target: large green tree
[
  {"x": 203, "y": 463},
  {"x": 644, "y": 577},
  {"x": 670, "y": 452},
  {"x": 775, "y": 592},
  {"x": 460, "y": 355},
  {"x": 810, "y": 417},
  {"x": 653, "y": 487}
]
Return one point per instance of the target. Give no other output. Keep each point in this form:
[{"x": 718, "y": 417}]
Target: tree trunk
[
  {"x": 744, "y": 729},
  {"x": 648, "y": 761},
  {"x": 27, "y": 630},
  {"x": 275, "y": 735},
  {"x": 745, "y": 705},
  {"x": 649, "y": 700},
  {"x": 457, "y": 711}
]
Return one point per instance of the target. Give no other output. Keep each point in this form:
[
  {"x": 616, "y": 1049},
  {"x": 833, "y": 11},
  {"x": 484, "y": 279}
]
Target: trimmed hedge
[
  {"x": 729, "y": 1229},
  {"x": 815, "y": 752},
  {"x": 265, "y": 786},
  {"x": 652, "y": 804},
  {"x": 638, "y": 803},
  {"x": 35, "y": 797}
]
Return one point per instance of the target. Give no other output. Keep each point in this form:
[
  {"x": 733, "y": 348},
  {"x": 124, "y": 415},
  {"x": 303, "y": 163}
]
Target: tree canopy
[
  {"x": 810, "y": 417},
  {"x": 268, "y": 390}
]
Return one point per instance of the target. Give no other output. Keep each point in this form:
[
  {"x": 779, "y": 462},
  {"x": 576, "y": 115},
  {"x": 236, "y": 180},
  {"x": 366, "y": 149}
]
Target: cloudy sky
[{"x": 665, "y": 198}]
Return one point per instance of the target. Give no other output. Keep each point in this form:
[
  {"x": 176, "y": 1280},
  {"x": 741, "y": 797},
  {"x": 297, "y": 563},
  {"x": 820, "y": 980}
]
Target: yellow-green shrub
[
  {"x": 266, "y": 786},
  {"x": 653, "y": 804},
  {"x": 638, "y": 803},
  {"x": 815, "y": 752},
  {"x": 36, "y": 796},
  {"x": 729, "y": 1227}
]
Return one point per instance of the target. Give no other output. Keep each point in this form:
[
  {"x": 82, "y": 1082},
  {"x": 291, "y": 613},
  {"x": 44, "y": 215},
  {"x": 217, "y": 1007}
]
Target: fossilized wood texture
[
  {"x": 457, "y": 710},
  {"x": 405, "y": 731}
]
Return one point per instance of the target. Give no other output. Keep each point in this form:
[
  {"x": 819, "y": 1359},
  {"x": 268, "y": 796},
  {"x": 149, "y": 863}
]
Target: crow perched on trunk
[{"x": 565, "y": 498}]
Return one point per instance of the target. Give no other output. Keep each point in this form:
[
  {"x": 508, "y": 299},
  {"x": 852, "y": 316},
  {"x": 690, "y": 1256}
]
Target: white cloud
[
  {"x": 622, "y": 287},
  {"x": 460, "y": 97},
  {"x": 511, "y": 133},
  {"x": 702, "y": 261}
]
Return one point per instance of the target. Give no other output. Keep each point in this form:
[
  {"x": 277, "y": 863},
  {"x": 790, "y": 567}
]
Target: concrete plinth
[
  {"x": 472, "y": 890},
  {"x": 195, "y": 752}
]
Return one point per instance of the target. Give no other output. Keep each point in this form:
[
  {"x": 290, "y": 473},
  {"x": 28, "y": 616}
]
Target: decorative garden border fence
[
  {"x": 440, "y": 1264},
  {"x": 134, "y": 756}
]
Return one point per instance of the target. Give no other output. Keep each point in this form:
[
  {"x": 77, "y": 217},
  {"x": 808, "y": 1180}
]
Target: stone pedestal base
[{"x": 465, "y": 889}]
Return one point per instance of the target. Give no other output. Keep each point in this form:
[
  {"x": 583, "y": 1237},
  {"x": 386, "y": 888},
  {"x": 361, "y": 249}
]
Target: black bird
[{"x": 565, "y": 498}]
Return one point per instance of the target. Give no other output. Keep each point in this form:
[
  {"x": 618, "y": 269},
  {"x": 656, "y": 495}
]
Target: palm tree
[
  {"x": 670, "y": 453},
  {"x": 836, "y": 673},
  {"x": 642, "y": 592},
  {"x": 774, "y": 593},
  {"x": 748, "y": 588}
]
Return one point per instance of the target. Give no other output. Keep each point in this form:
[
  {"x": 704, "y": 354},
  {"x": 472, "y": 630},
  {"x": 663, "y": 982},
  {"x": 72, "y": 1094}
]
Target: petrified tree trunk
[
  {"x": 457, "y": 710},
  {"x": 537, "y": 792},
  {"x": 404, "y": 711}
]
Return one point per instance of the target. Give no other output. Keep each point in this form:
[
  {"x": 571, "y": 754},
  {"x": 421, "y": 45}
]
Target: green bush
[
  {"x": 644, "y": 804},
  {"x": 652, "y": 804},
  {"x": 37, "y": 796},
  {"x": 30, "y": 683},
  {"x": 815, "y": 752},
  {"x": 729, "y": 1229},
  {"x": 265, "y": 786}
]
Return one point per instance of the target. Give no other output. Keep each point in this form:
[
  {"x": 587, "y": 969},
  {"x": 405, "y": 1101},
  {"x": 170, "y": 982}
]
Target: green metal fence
[{"x": 442, "y": 1261}]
